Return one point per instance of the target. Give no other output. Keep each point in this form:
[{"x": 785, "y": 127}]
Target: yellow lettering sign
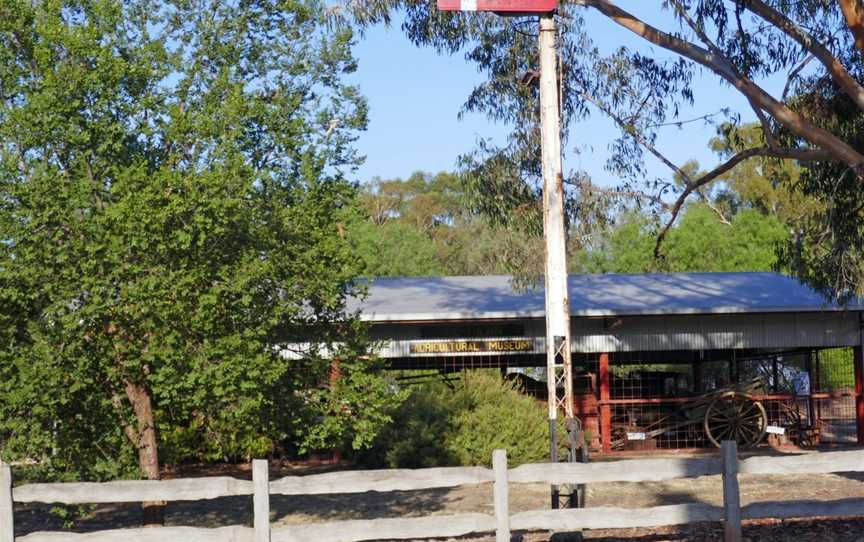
[{"x": 465, "y": 347}]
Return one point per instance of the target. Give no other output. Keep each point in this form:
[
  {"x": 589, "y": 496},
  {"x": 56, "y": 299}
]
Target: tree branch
[
  {"x": 853, "y": 11},
  {"x": 766, "y": 126},
  {"x": 838, "y": 72},
  {"x": 794, "y": 122},
  {"x": 794, "y": 73},
  {"x": 707, "y": 201},
  {"x": 700, "y": 32}
]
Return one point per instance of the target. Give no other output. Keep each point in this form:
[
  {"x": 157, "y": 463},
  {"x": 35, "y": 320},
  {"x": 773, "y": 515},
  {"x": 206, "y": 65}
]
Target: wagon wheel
[{"x": 733, "y": 415}]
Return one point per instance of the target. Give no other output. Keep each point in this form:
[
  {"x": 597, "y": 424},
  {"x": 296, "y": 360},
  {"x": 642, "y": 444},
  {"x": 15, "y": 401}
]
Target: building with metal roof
[
  {"x": 682, "y": 314},
  {"x": 666, "y": 337}
]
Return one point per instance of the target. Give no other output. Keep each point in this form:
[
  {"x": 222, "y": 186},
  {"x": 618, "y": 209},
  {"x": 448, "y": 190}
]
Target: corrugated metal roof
[{"x": 490, "y": 297}]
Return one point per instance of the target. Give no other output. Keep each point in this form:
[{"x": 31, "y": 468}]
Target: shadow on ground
[
  {"x": 238, "y": 511},
  {"x": 821, "y": 530}
]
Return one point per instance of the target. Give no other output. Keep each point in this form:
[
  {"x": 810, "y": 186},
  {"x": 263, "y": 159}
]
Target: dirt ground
[{"x": 523, "y": 497}]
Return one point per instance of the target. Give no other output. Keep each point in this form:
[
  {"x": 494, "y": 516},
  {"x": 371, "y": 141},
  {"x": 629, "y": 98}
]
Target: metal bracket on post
[
  {"x": 568, "y": 496},
  {"x": 574, "y": 494},
  {"x": 563, "y": 377}
]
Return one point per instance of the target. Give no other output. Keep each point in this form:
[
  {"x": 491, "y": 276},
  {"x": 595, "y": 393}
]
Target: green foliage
[
  {"x": 171, "y": 195},
  {"x": 699, "y": 242},
  {"x": 416, "y": 436},
  {"x": 836, "y": 369},
  {"x": 829, "y": 253},
  {"x": 768, "y": 185},
  {"x": 461, "y": 423},
  {"x": 426, "y": 225},
  {"x": 395, "y": 248},
  {"x": 626, "y": 248},
  {"x": 702, "y": 243},
  {"x": 497, "y": 415}
]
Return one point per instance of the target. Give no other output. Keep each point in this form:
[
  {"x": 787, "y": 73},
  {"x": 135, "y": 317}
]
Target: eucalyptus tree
[
  {"x": 172, "y": 275},
  {"x": 812, "y": 118}
]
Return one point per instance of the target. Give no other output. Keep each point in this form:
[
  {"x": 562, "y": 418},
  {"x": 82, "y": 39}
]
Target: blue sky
[{"x": 415, "y": 95}]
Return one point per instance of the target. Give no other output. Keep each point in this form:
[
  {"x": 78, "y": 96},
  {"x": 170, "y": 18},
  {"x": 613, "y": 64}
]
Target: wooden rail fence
[{"x": 501, "y": 523}]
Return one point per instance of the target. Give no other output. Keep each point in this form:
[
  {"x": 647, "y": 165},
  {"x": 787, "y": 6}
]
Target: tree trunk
[{"x": 147, "y": 446}]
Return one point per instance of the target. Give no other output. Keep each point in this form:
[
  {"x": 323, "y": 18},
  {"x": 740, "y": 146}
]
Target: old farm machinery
[{"x": 732, "y": 413}]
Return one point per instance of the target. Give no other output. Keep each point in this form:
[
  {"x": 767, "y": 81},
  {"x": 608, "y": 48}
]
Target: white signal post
[{"x": 559, "y": 371}]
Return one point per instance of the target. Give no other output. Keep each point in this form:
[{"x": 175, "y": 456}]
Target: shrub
[{"x": 460, "y": 423}]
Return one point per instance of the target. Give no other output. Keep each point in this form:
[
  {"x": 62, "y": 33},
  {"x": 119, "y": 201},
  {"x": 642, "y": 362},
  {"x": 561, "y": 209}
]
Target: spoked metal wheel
[{"x": 735, "y": 416}]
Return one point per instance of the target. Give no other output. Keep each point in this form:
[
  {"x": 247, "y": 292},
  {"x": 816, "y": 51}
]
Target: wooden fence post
[
  {"x": 502, "y": 499},
  {"x": 260, "y": 499},
  {"x": 7, "y": 523},
  {"x": 731, "y": 494}
]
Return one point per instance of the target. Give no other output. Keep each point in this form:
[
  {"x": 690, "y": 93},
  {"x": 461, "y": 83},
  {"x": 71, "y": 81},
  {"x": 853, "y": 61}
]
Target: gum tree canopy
[
  {"x": 171, "y": 184},
  {"x": 797, "y": 63}
]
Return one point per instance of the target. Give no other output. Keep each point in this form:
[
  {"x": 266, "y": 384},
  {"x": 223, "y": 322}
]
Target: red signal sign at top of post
[{"x": 502, "y": 6}]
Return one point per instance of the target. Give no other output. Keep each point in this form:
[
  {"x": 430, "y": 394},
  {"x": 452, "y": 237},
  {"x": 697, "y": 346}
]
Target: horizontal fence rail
[
  {"x": 813, "y": 463},
  {"x": 502, "y": 522},
  {"x": 162, "y": 534},
  {"x": 633, "y": 470},
  {"x": 380, "y": 480},
  {"x": 186, "y": 489},
  {"x": 387, "y": 529},
  {"x": 614, "y": 518}
]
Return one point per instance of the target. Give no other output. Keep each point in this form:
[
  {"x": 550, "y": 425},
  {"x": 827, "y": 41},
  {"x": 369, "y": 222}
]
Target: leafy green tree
[
  {"x": 172, "y": 278},
  {"x": 701, "y": 241},
  {"x": 395, "y": 249},
  {"x": 767, "y": 185},
  {"x": 430, "y": 225},
  {"x": 623, "y": 248}
]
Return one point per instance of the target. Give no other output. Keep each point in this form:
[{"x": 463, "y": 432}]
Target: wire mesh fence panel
[
  {"x": 837, "y": 420},
  {"x": 662, "y": 425},
  {"x": 715, "y": 375},
  {"x": 835, "y": 371},
  {"x": 835, "y": 395},
  {"x": 808, "y": 399},
  {"x": 647, "y": 411}
]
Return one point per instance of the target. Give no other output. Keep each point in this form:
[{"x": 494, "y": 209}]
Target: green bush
[
  {"x": 460, "y": 423},
  {"x": 836, "y": 369}
]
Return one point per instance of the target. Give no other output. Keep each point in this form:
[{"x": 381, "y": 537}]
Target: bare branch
[
  {"x": 794, "y": 73},
  {"x": 794, "y": 122},
  {"x": 691, "y": 186},
  {"x": 697, "y": 185},
  {"x": 707, "y": 201},
  {"x": 838, "y": 72}
]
